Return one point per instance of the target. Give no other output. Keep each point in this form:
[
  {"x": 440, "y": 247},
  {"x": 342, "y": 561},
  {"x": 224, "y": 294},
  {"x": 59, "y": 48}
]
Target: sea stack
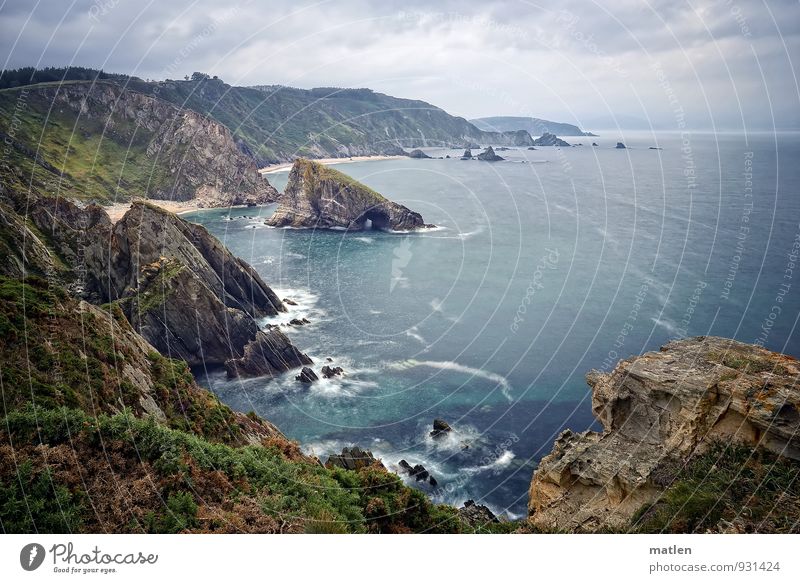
[
  {"x": 488, "y": 155},
  {"x": 319, "y": 197}
]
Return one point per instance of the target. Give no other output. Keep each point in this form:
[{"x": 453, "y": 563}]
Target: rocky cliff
[
  {"x": 123, "y": 143},
  {"x": 657, "y": 410},
  {"x": 323, "y": 198},
  {"x": 178, "y": 285}
]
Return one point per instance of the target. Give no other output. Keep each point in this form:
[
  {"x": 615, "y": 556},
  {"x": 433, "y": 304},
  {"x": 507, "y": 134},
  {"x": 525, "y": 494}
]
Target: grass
[{"x": 729, "y": 484}]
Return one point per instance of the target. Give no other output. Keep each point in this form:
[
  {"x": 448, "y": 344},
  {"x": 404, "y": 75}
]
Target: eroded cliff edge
[
  {"x": 318, "y": 197},
  {"x": 657, "y": 410}
]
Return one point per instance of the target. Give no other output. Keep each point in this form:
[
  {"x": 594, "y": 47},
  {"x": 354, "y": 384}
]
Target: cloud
[{"x": 727, "y": 62}]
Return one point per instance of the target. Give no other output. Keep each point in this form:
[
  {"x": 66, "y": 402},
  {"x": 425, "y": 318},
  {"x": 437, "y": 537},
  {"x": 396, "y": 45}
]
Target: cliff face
[
  {"x": 657, "y": 410},
  {"x": 123, "y": 143},
  {"x": 324, "y": 198}
]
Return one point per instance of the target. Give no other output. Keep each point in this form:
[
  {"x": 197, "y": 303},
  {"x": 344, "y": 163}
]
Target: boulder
[
  {"x": 594, "y": 144},
  {"x": 440, "y": 428},
  {"x": 657, "y": 410},
  {"x": 620, "y": 146},
  {"x": 467, "y": 155},
  {"x": 319, "y": 197},
  {"x": 418, "y": 472},
  {"x": 331, "y": 371},
  {"x": 307, "y": 375}
]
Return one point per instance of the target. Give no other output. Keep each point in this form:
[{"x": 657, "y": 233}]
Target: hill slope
[{"x": 533, "y": 125}]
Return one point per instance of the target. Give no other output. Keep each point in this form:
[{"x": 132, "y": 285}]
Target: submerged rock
[
  {"x": 488, "y": 155},
  {"x": 319, "y": 197},
  {"x": 657, "y": 410},
  {"x": 307, "y": 375}
]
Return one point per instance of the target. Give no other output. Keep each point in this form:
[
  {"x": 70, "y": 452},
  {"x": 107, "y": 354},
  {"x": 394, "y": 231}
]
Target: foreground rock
[
  {"x": 657, "y": 410},
  {"x": 418, "y": 472},
  {"x": 318, "y": 197},
  {"x": 476, "y": 515},
  {"x": 548, "y": 139},
  {"x": 488, "y": 155}
]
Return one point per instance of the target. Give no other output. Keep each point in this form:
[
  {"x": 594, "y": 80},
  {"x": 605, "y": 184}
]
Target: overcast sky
[{"x": 725, "y": 64}]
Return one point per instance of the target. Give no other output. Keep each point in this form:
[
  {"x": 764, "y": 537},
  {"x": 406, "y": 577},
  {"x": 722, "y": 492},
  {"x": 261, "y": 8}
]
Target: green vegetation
[
  {"x": 746, "y": 363},
  {"x": 30, "y": 75},
  {"x": 729, "y": 485}
]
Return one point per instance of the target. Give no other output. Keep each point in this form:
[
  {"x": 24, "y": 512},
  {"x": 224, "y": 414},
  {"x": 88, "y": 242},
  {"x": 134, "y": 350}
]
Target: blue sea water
[{"x": 544, "y": 266}]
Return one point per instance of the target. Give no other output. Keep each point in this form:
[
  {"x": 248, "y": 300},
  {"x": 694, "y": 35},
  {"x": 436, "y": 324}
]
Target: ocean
[{"x": 542, "y": 267}]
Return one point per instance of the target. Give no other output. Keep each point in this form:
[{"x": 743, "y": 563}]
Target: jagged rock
[
  {"x": 476, "y": 514},
  {"x": 467, "y": 154},
  {"x": 440, "y": 428},
  {"x": 352, "y": 458},
  {"x": 488, "y": 155},
  {"x": 307, "y": 375},
  {"x": 594, "y": 144},
  {"x": 320, "y": 197},
  {"x": 620, "y": 146},
  {"x": 447, "y": 157},
  {"x": 270, "y": 353},
  {"x": 656, "y": 411},
  {"x": 299, "y": 321},
  {"x": 289, "y": 302},
  {"x": 331, "y": 371},
  {"x": 418, "y": 472},
  {"x": 548, "y": 139},
  {"x": 417, "y": 154}
]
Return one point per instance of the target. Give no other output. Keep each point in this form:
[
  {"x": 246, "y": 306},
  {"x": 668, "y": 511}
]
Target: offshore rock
[
  {"x": 417, "y": 154},
  {"x": 318, "y": 197},
  {"x": 352, "y": 458},
  {"x": 488, "y": 155},
  {"x": 307, "y": 375},
  {"x": 548, "y": 139},
  {"x": 476, "y": 514},
  {"x": 269, "y": 354},
  {"x": 657, "y": 410}
]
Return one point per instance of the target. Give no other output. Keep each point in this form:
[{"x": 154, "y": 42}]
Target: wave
[
  {"x": 413, "y": 333},
  {"x": 500, "y": 380},
  {"x": 307, "y": 307},
  {"x": 667, "y": 324},
  {"x": 367, "y": 240}
]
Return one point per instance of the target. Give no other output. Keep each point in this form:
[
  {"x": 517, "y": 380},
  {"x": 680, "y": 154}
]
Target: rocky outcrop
[
  {"x": 329, "y": 372},
  {"x": 440, "y": 428},
  {"x": 307, "y": 375},
  {"x": 268, "y": 354},
  {"x": 179, "y": 286},
  {"x": 548, "y": 139},
  {"x": 352, "y": 458},
  {"x": 417, "y": 154},
  {"x": 467, "y": 155},
  {"x": 476, "y": 515},
  {"x": 488, "y": 155},
  {"x": 620, "y": 146},
  {"x": 418, "y": 472},
  {"x": 656, "y": 411},
  {"x": 318, "y": 197}
]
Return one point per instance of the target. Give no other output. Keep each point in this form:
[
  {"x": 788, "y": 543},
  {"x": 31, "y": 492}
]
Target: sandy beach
[
  {"x": 286, "y": 165},
  {"x": 115, "y": 211}
]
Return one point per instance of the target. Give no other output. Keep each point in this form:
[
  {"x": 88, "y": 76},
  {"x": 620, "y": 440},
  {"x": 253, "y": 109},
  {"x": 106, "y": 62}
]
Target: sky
[{"x": 725, "y": 65}]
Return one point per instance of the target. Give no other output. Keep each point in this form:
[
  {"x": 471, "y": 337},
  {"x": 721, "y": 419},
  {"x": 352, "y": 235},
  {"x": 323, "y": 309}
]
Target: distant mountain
[{"x": 533, "y": 125}]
